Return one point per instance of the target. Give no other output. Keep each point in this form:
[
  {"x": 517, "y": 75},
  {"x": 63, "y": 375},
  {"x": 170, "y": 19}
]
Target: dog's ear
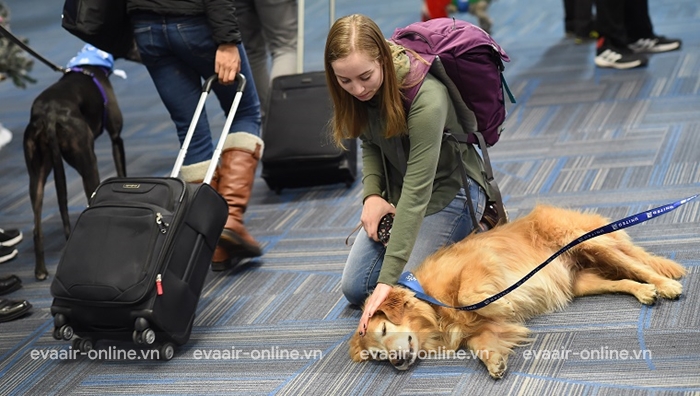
[
  {"x": 356, "y": 349},
  {"x": 394, "y": 305}
]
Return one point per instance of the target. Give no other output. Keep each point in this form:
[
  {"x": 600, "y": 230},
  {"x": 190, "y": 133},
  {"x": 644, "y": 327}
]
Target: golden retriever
[{"x": 482, "y": 265}]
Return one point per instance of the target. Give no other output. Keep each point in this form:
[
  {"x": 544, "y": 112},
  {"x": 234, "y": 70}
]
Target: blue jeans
[
  {"x": 451, "y": 224},
  {"x": 179, "y": 54}
]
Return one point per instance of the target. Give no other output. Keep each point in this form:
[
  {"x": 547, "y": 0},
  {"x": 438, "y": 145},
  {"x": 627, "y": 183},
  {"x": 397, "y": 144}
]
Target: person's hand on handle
[{"x": 227, "y": 63}]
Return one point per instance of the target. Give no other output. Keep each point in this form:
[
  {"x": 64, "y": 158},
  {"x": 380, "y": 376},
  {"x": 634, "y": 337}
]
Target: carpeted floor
[{"x": 605, "y": 141}]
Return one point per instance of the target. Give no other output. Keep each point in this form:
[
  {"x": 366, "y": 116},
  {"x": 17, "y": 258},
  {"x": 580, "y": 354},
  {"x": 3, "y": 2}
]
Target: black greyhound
[{"x": 65, "y": 120}]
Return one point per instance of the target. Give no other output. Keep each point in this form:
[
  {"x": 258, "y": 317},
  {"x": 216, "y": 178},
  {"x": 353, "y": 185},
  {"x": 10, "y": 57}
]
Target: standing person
[
  {"x": 365, "y": 74},
  {"x": 8, "y": 239},
  {"x": 10, "y": 309},
  {"x": 269, "y": 30},
  {"x": 182, "y": 42},
  {"x": 626, "y": 34},
  {"x": 579, "y": 20}
]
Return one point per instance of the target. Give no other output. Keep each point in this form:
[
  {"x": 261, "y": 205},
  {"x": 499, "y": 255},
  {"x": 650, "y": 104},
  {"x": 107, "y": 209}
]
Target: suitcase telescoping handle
[{"x": 206, "y": 88}]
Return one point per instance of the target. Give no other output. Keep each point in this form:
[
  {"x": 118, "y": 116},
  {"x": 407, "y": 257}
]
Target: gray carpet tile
[{"x": 603, "y": 141}]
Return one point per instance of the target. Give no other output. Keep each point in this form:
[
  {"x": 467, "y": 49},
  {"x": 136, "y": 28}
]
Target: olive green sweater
[{"x": 432, "y": 177}]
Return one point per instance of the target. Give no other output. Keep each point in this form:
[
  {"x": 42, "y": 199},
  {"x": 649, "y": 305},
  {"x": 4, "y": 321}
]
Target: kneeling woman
[{"x": 408, "y": 169}]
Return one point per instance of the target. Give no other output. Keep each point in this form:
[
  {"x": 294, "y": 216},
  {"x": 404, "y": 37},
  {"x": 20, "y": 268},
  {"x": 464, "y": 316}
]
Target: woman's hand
[
  {"x": 374, "y": 208},
  {"x": 380, "y": 293},
  {"x": 227, "y": 63}
]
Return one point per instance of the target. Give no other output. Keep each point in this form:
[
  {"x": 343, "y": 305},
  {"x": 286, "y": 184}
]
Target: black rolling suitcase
[
  {"x": 135, "y": 263},
  {"x": 299, "y": 151}
]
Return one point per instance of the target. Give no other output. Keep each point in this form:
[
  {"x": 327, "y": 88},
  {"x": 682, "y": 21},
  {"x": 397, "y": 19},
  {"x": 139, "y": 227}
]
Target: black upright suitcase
[
  {"x": 299, "y": 151},
  {"x": 135, "y": 263}
]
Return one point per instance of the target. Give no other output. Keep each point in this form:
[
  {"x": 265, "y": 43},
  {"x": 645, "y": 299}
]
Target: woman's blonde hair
[{"x": 360, "y": 33}]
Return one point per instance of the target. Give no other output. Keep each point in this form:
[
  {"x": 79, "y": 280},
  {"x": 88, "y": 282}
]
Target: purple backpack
[{"x": 472, "y": 63}]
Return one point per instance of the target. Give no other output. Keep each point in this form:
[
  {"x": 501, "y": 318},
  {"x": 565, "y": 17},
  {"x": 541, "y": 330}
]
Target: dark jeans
[
  {"x": 179, "y": 53},
  {"x": 622, "y": 22},
  {"x": 578, "y": 17}
]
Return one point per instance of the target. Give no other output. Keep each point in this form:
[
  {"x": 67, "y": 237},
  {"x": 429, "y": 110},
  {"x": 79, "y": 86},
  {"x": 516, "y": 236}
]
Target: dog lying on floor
[
  {"x": 66, "y": 118},
  {"x": 485, "y": 264}
]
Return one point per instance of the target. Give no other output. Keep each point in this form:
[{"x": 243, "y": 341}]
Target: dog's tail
[{"x": 59, "y": 172}]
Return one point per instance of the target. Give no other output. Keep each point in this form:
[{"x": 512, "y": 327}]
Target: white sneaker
[
  {"x": 5, "y": 136},
  {"x": 7, "y": 253},
  {"x": 617, "y": 58},
  {"x": 10, "y": 237}
]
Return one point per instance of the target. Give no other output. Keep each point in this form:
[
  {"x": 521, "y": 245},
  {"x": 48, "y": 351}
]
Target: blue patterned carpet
[{"x": 605, "y": 141}]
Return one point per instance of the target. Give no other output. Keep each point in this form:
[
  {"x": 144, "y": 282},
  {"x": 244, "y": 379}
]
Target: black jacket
[{"x": 220, "y": 14}]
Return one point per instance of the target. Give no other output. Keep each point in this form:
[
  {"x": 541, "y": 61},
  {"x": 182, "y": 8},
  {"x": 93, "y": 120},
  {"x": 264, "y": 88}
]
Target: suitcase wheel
[
  {"x": 84, "y": 345},
  {"x": 167, "y": 351},
  {"x": 64, "y": 332},
  {"x": 147, "y": 336}
]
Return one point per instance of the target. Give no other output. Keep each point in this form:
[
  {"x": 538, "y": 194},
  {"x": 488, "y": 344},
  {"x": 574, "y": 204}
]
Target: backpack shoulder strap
[
  {"x": 415, "y": 77},
  {"x": 467, "y": 120}
]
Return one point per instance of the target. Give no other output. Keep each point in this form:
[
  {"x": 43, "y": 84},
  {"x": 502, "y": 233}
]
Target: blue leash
[{"x": 409, "y": 281}]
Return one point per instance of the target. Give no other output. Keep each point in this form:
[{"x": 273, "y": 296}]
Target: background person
[
  {"x": 269, "y": 30},
  {"x": 626, "y": 34}
]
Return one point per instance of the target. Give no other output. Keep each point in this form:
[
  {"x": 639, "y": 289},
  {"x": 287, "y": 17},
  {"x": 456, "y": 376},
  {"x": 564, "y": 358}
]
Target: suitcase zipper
[
  {"x": 159, "y": 285},
  {"x": 179, "y": 212},
  {"x": 161, "y": 224}
]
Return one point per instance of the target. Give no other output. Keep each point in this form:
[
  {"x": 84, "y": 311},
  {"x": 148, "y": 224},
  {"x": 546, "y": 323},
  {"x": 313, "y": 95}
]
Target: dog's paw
[
  {"x": 646, "y": 293},
  {"x": 670, "y": 289},
  {"x": 41, "y": 274},
  {"x": 497, "y": 365}
]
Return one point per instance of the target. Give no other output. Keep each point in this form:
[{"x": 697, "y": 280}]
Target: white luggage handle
[{"x": 206, "y": 88}]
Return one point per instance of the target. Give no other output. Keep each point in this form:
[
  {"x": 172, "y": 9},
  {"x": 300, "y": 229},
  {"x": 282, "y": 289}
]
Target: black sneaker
[
  {"x": 10, "y": 237},
  {"x": 7, "y": 253},
  {"x": 617, "y": 58},
  {"x": 655, "y": 44}
]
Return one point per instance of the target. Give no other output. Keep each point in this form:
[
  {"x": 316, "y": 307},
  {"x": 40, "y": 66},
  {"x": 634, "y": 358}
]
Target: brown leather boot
[{"x": 239, "y": 159}]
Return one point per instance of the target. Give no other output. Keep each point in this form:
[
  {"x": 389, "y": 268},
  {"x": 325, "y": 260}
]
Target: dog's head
[
  {"x": 91, "y": 56},
  {"x": 402, "y": 327}
]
